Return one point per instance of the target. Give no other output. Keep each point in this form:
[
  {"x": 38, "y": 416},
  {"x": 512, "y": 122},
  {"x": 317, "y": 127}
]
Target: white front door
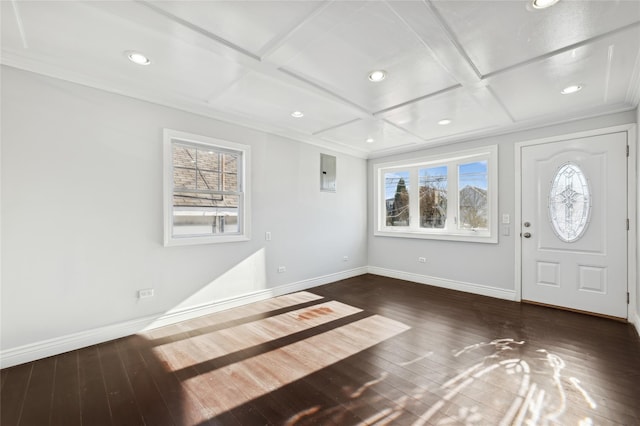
[{"x": 574, "y": 224}]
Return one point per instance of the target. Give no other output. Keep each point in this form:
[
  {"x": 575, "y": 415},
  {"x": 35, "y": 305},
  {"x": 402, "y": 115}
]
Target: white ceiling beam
[
  {"x": 278, "y": 41},
  {"x": 16, "y": 13},
  {"x": 426, "y": 23}
]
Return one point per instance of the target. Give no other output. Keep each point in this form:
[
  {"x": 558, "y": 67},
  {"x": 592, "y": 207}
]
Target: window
[
  {"x": 569, "y": 203},
  {"x": 452, "y": 197},
  {"x": 206, "y": 189}
]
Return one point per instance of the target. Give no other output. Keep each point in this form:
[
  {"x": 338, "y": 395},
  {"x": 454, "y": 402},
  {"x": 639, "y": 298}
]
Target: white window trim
[
  {"x": 490, "y": 153},
  {"x": 169, "y": 136}
]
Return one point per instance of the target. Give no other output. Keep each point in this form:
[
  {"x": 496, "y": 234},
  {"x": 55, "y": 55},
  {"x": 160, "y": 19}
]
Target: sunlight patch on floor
[
  {"x": 539, "y": 387},
  {"x": 205, "y": 347},
  {"x": 254, "y": 377},
  {"x": 238, "y": 313},
  {"x": 475, "y": 395}
]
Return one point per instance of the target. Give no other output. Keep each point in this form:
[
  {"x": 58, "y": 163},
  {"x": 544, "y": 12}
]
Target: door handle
[{"x": 527, "y": 235}]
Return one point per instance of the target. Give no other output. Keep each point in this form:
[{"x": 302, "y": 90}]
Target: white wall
[
  {"x": 481, "y": 268},
  {"x": 81, "y": 218},
  {"x": 636, "y": 320},
  {"x": 82, "y": 214}
]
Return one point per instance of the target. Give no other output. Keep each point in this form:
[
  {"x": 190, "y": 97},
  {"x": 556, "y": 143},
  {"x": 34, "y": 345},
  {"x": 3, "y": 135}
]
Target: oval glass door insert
[{"x": 569, "y": 203}]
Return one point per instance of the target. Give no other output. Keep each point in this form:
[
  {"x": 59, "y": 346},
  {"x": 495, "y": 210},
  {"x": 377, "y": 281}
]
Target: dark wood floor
[{"x": 368, "y": 350}]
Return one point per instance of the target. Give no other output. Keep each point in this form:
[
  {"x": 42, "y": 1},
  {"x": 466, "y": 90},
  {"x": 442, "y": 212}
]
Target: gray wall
[{"x": 82, "y": 213}]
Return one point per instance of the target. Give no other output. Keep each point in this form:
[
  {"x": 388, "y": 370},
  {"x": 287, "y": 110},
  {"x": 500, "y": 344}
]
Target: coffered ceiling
[{"x": 487, "y": 66}]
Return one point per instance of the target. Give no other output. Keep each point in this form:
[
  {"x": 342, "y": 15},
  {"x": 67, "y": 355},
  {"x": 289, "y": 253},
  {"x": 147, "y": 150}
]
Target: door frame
[{"x": 632, "y": 210}]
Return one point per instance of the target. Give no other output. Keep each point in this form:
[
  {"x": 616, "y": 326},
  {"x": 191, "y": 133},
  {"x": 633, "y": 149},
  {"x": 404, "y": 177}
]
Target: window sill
[
  {"x": 473, "y": 237},
  {"x": 189, "y": 240}
]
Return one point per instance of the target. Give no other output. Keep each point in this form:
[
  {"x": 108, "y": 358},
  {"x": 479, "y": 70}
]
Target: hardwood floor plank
[
  {"x": 149, "y": 400},
  {"x": 317, "y": 404},
  {"x": 184, "y": 407},
  {"x": 39, "y": 395},
  {"x": 65, "y": 409},
  {"x": 124, "y": 408},
  {"x": 248, "y": 414},
  {"x": 3, "y": 377},
  {"x": 94, "y": 402},
  {"x": 13, "y": 393},
  {"x": 196, "y": 392}
]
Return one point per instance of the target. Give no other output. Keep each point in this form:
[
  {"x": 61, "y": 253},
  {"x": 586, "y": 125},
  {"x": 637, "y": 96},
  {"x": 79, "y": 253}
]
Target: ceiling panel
[
  {"x": 383, "y": 135},
  {"x": 267, "y": 100},
  {"x": 603, "y": 68},
  {"x": 250, "y": 25},
  {"x": 77, "y": 40},
  {"x": 489, "y": 66},
  {"x": 498, "y": 34},
  {"x": 368, "y": 36},
  {"x": 460, "y": 106}
]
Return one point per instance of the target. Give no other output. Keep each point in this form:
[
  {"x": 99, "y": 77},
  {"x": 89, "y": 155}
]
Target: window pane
[
  {"x": 184, "y": 170},
  {"x": 433, "y": 197},
  {"x": 195, "y": 199},
  {"x": 208, "y": 159},
  {"x": 195, "y": 171},
  {"x": 208, "y": 180},
  {"x": 205, "y": 214},
  {"x": 230, "y": 182},
  {"x": 184, "y": 156},
  {"x": 473, "y": 185},
  {"x": 397, "y": 198},
  {"x": 569, "y": 203},
  {"x": 184, "y": 178},
  {"x": 230, "y": 172}
]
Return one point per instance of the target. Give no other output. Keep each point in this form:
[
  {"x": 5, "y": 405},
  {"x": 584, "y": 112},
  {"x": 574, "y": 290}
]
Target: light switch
[{"x": 505, "y": 218}]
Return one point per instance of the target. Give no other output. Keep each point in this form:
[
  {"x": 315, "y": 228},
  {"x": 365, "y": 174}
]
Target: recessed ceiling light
[
  {"x": 369, "y": 140},
  {"x": 444, "y": 122},
  {"x": 543, "y": 4},
  {"x": 138, "y": 58},
  {"x": 377, "y": 75},
  {"x": 571, "y": 89},
  {"x": 297, "y": 114}
]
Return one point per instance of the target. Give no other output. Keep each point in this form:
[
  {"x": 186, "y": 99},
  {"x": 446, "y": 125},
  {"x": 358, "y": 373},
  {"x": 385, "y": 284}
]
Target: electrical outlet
[
  {"x": 345, "y": 258},
  {"x": 145, "y": 293},
  {"x": 282, "y": 269},
  {"x": 422, "y": 259}
]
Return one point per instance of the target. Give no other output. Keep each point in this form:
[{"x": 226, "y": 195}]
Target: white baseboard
[
  {"x": 173, "y": 317},
  {"x": 70, "y": 342},
  {"x": 480, "y": 289},
  {"x": 635, "y": 320},
  {"x": 58, "y": 345}
]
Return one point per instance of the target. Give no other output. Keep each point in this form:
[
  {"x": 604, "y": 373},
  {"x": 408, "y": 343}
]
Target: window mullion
[
  {"x": 414, "y": 199},
  {"x": 453, "y": 213}
]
